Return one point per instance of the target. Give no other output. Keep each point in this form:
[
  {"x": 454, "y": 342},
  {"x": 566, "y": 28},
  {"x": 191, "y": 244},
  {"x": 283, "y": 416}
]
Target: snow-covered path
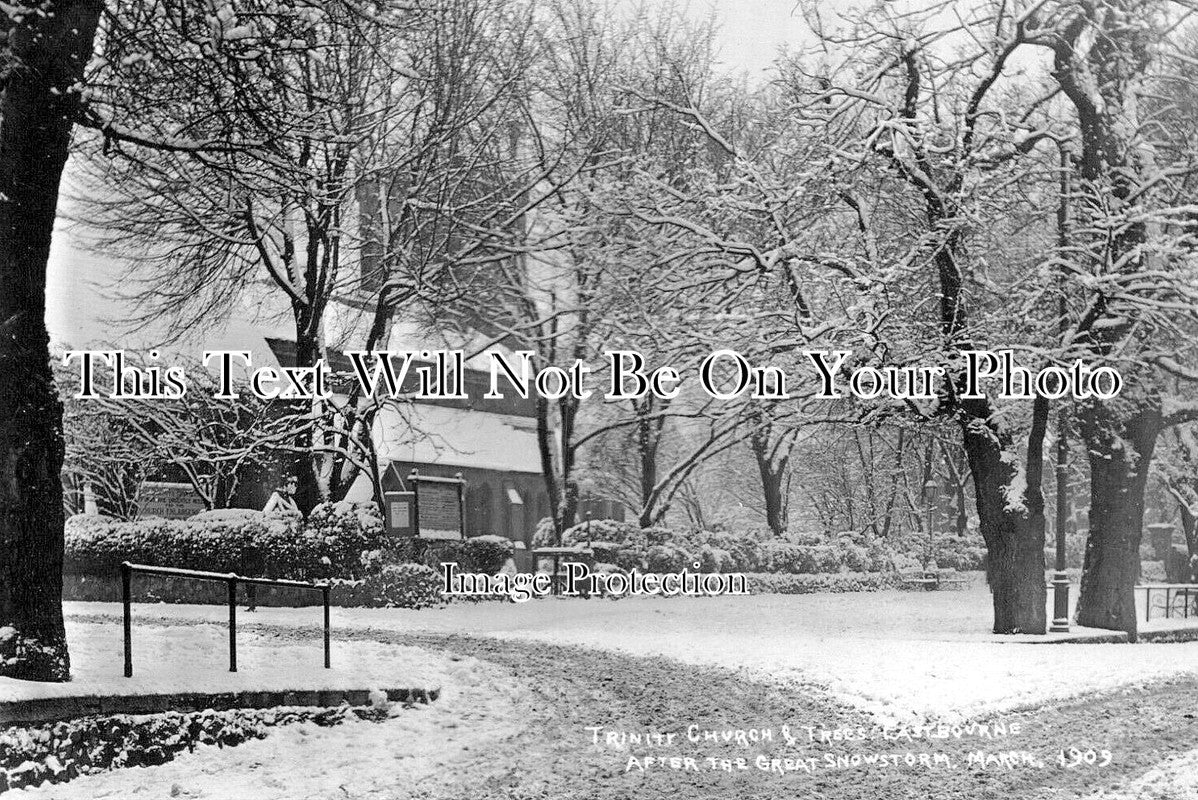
[
  {"x": 514, "y": 716},
  {"x": 898, "y": 655}
]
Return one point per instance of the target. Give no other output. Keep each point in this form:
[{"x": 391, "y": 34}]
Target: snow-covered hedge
[
  {"x": 662, "y": 549},
  {"x": 337, "y": 540},
  {"x": 56, "y": 752},
  {"x": 961, "y": 554},
  {"x": 220, "y": 541},
  {"x": 773, "y": 583},
  {"x": 345, "y": 535},
  {"x": 394, "y": 586},
  {"x": 487, "y": 553}
]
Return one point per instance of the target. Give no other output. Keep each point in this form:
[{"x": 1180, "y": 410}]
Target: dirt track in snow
[{"x": 575, "y": 689}]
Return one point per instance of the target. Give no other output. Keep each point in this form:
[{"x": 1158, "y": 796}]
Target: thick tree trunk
[
  {"x": 1120, "y": 436},
  {"x": 1013, "y": 528},
  {"x": 36, "y": 113}
]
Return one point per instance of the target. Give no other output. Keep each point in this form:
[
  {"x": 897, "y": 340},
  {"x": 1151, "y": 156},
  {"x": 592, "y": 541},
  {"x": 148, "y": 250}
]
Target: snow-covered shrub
[
  {"x": 744, "y": 549},
  {"x": 714, "y": 559},
  {"x": 85, "y": 524},
  {"x": 773, "y": 583},
  {"x": 232, "y": 540},
  {"x": 487, "y": 553},
  {"x": 395, "y": 586},
  {"x": 788, "y": 557},
  {"x": 435, "y": 552},
  {"x": 600, "y": 530},
  {"x": 605, "y": 552},
  {"x": 942, "y": 550},
  {"x": 856, "y": 558},
  {"x": 659, "y": 535},
  {"x": 669, "y": 558},
  {"x": 331, "y": 544},
  {"x": 344, "y": 531},
  {"x": 961, "y": 554},
  {"x": 60, "y": 751},
  {"x": 544, "y": 535},
  {"x": 630, "y": 558}
]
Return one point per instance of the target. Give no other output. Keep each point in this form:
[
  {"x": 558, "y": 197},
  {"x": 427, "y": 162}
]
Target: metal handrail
[{"x": 231, "y": 579}]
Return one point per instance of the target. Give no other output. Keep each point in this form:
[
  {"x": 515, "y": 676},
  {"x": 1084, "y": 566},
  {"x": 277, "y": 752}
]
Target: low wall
[{"x": 167, "y": 589}]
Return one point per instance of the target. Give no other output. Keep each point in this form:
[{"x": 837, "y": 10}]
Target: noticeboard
[
  {"x": 439, "y": 507},
  {"x": 168, "y": 500},
  {"x": 400, "y": 513}
]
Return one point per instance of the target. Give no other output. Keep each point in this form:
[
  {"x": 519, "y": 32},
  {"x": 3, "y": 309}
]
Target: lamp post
[{"x": 1060, "y": 581}]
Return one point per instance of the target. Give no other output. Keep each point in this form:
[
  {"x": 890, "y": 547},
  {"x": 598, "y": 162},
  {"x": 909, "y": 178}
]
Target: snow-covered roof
[{"x": 423, "y": 433}]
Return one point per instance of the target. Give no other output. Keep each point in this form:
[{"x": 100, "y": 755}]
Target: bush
[
  {"x": 668, "y": 558},
  {"x": 752, "y": 550},
  {"x": 771, "y": 583},
  {"x": 59, "y": 751},
  {"x": 787, "y": 557},
  {"x": 630, "y": 558},
  {"x": 543, "y": 536},
  {"x": 343, "y": 532},
  {"x": 605, "y": 552},
  {"x": 714, "y": 559},
  {"x": 856, "y": 558},
  {"x": 395, "y": 586},
  {"x": 487, "y": 553},
  {"x": 340, "y": 540},
  {"x": 220, "y": 543},
  {"x": 959, "y": 554},
  {"x": 600, "y": 530},
  {"x": 745, "y": 550}
]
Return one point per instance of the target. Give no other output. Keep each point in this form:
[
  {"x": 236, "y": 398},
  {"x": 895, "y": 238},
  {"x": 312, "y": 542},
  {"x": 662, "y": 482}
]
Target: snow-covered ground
[
  {"x": 195, "y": 658},
  {"x": 899, "y": 655},
  {"x": 1175, "y": 778},
  {"x": 478, "y": 704}
]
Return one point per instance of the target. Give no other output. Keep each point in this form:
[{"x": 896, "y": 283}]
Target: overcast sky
[{"x": 80, "y": 283}]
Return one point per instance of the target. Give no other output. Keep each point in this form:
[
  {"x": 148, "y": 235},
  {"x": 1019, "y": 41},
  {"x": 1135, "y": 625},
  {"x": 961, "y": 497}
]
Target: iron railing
[{"x": 231, "y": 580}]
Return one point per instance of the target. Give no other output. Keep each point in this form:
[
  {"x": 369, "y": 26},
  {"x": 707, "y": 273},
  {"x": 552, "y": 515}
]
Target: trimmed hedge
[
  {"x": 772, "y": 583},
  {"x": 662, "y": 549},
  {"x": 487, "y": 553},
  {"x": 342, "y": 542},
  {"x": 394, "y": 586},
  {"x": 221, "y": 542},
  {"x": 759, "y": 551},
  {"x": 339, "y": 540}
]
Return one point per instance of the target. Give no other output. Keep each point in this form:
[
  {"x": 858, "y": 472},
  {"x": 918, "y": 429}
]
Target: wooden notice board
[{"x": 440, "y": 507}]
